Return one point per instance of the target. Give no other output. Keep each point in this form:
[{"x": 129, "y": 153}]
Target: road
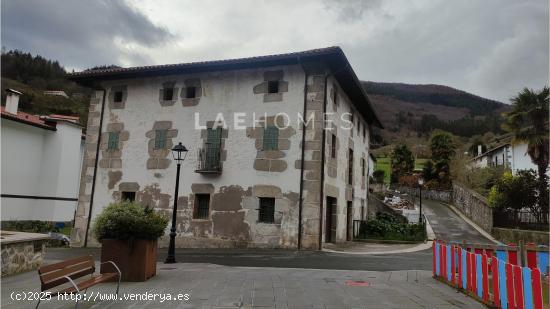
[
  {"x": 447, "y": 225},
  {"x": 277, "y": 258}
]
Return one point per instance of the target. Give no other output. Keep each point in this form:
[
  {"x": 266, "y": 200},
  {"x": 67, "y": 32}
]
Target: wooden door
[{"x": 331, "y": 219}]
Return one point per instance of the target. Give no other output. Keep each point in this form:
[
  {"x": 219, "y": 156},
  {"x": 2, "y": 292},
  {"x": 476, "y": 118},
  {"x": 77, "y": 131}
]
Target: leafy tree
[
  {"x": 512, "y": 193},
  {"x": 528, "y": 122},
  {"x": 443, "y": 149},
  {"x": 378, "y": 176},
  {"x": 402, "y": 162}
]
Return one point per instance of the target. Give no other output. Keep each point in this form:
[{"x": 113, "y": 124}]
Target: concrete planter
[{"x": 136, "y": 259}]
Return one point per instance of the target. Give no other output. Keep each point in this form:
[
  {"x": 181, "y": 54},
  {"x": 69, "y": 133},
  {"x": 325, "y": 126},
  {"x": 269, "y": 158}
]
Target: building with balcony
[{"x": 263, "y": 168}]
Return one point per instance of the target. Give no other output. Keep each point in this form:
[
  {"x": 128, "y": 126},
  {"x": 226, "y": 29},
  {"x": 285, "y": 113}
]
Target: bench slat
[
  {"x": 69, "y": 270},
  {"x": 61, "y": 280},
  {"x": 52, "y": 267},
  {"x": 90, "y": 282}
]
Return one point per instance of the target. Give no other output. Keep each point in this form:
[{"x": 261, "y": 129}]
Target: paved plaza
[{"x": 216, "y": 286}]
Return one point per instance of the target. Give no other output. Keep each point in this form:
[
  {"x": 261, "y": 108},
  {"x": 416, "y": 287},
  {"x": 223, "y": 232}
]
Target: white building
[
  {"x": 253, "y": 177},
  {"x": 512, "y": 155},
  {"x": 41, "y": 160}
]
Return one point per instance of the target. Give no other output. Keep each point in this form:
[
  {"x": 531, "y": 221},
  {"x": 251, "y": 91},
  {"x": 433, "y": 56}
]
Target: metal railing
[
  {"x": 209, "y": 160},
  {"x": 522, "y": 219}
]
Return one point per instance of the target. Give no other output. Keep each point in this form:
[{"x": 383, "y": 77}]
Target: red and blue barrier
[{"x": 502, "y": 276}]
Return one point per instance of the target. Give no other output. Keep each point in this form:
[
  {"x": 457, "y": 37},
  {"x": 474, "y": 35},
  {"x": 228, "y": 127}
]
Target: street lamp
[
  {"x": 420, "y": 184},
  {"x": 179, "y": 152}
]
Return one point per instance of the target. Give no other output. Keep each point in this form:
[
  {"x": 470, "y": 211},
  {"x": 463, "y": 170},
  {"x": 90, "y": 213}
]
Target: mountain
[
  {"x": 32, "y": 75},
  {"x": 408, "y": 110}
]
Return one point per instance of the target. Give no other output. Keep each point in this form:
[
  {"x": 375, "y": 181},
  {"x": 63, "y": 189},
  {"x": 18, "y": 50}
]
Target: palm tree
[{"x": 528, "y": 122}]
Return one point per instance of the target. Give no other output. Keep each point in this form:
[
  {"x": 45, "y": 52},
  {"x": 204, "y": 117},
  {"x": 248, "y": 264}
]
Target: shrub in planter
[{"x": 128, "y": 234}]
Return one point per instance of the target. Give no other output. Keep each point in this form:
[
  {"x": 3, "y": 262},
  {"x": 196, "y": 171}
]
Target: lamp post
[
  {"x": 420, "y": 184},
  {"x": 179, "y": 152}
]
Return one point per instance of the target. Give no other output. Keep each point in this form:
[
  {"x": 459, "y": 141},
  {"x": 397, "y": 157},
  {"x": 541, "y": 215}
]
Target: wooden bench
[{"x": 58, "y": 274}]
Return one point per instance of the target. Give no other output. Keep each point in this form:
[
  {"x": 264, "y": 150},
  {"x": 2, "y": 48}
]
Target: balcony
[{"x": 209, "y": 161}]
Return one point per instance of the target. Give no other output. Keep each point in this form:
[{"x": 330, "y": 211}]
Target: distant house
[
  {"x": 41, "y": 160},
  {"x": 59, "y": 93},
  {"x": 507, "y": 154}
]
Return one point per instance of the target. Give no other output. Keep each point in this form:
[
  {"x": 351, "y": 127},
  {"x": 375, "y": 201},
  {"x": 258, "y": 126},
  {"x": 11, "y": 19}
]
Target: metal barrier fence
[{"x": 501, "y": 276}]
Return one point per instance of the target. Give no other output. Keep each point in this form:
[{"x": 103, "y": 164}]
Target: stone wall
[
  {"x": 474, "y": 206},
  {"x": 22, "y": 256},
  {"x": 438, "y": 195},
  {"x": 515, "y": 236}
]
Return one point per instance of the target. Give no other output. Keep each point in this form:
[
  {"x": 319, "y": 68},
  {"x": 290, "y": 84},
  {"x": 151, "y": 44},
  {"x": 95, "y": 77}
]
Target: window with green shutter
[
  {"x": 271, "y": 138},
  {"x": 160, "y": 139},
  {"x": 113, "y": 141}
]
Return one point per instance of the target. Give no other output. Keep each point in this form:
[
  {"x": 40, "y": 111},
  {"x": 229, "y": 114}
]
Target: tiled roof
[
  {"x": 333, "y": 57},
  {"x": 29, "y": 119},
  {"x": 215, "y": 63}
]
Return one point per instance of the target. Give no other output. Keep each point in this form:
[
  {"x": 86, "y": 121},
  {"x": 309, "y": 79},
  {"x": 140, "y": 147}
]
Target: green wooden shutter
[
  {"x": 113, "y": 141},
  {"x": 213, "y": 145},
  {"x": 271, "y": 138},
  {"x": 160, "y": 139}
]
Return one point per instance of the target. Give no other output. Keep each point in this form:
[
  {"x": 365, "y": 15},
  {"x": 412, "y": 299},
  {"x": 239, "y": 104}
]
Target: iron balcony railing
[{"x": 209, "y": 160}]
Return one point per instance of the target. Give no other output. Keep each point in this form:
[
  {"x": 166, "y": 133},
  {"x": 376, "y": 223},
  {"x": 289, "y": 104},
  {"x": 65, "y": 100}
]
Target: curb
[{"x": 420, "y": 247}]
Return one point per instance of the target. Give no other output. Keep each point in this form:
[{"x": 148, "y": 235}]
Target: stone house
[{"x": 256, "y": 175}]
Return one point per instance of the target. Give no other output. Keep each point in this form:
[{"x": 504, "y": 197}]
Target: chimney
[
  {"x": 478, "y": 150},
  {"x": 12, "y": 101}
]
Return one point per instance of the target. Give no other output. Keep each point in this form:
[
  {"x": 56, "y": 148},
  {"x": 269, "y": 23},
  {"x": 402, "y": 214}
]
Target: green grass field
[{"x": 385, "y": 165}]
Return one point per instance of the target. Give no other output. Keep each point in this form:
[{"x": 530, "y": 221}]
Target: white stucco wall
[
  {"x": 222, "y": 92},
  {"x": 39, "y": 162},
  {"x": 360, "y": 150}
]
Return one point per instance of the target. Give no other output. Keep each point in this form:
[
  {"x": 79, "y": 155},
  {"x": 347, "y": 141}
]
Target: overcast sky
[{"x": 492, "y": 48}]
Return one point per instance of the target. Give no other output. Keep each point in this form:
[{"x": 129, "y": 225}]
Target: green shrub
[
  {"x": 129, "y": 220},
  {"x": 515, "y": 192},
  {"x": 30, "y": 226},
  {"x": 390, "y": 227},
  {"x": 378, "y": 176}
]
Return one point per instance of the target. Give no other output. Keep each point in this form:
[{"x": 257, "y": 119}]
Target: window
[
  {"x": 350, "y": 168},
  {"x": 117, "y": 97},
  {"x": 352, "y": 122},
  {"x": 358, "y": 126},
  {"x": 271, "y": 138},
  {"x": 273, "y": 86},
  {"x": 267, "y": 210},
  {"x": 335, "y": 98},
  {"x": 112, "y": 144},
  {"x": 364, "y": 132},
  {"x": 191, "y": 92},
  {"x": 128, "y": 196},
  {"x": 202, "y": 206},
  {"x": 160, "y": 139},
  {"x": 168, "y": 94},
  {"x": 363, "y": 167},
  {"x": 333, "y": 147}
]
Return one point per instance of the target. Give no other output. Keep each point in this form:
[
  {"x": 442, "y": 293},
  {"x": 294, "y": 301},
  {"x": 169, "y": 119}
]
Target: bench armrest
[
  {"x": 118, "y": 269},
  {"x": 72, "y": 282}
]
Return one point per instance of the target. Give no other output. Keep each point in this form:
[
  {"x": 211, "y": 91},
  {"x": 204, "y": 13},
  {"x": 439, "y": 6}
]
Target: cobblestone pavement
[{"x": 216, "y": 286}]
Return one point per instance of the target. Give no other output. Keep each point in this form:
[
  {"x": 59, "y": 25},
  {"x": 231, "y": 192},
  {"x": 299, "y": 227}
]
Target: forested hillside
[
  {"x": 415, "y": 110},
  {"x": 32, "y": 75}
]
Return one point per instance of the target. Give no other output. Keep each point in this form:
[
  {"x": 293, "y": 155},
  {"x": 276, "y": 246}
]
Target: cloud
[
  {"x": 81, "y": 34},
  {"x": 492, "y": 48}
]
